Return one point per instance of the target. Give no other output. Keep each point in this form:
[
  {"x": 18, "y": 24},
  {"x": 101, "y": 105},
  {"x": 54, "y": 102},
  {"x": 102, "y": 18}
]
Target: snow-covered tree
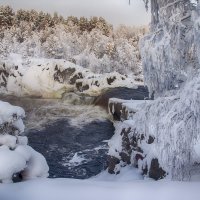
[{"x": 42, "y": 35}]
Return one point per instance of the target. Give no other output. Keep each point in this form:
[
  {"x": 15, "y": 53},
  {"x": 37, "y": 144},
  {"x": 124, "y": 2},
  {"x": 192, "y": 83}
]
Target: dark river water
[
  {"x": 71, "y": 134},
  {"x": 60, "y": 142}
]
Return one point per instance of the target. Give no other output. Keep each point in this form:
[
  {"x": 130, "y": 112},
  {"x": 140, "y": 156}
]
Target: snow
[
  {"x": 51, "y": 78},
  {"x": 12, "y": 115},
  {"x": 170, "y": 56},
  {"x": 8, "y": 140},
  {"x": 37, "y": 166},
  {"x": 128, "y": 107},
  {"x": 174, "y": 123},
  {"x": 115, "y": 143},
  {"x": 127, "y": 174},
  {"x": 21, "y": 159},
  {"x": 7, "y": 111},
  {"x": 15, "y": 155},
  {"x": 169, "y": 52},
  {"x": 62, "y": 189},
  {"x": 93, "y": 49},
  {"x": 11, "y": 163}
]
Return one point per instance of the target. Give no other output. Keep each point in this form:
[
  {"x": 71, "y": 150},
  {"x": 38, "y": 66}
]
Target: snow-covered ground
[{"x": 103, "y": 187}]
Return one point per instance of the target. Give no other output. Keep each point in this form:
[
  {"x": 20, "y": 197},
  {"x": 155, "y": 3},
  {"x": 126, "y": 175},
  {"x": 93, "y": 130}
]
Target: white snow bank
[
  {"x": 115, "y": 143},
  {"x": 51, "y": 78},
  {"x": 37, "y": 166},
  {"x": 8, "y": 140},
  {"x": 62, "y": 189},
  {"x": 22, "y": 160},
  {"x": 10, "y": 163}
]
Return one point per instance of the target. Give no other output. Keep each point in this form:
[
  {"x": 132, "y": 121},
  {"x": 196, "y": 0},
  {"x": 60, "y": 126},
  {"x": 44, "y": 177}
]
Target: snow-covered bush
[{"x": 16, "y": 157}]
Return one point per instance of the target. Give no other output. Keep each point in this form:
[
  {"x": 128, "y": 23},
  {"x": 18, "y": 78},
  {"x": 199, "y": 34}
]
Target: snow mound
[{"x": 16, "y": 157}]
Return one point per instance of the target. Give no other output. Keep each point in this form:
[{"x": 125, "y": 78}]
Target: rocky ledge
[{"x": 127, "y": 145}]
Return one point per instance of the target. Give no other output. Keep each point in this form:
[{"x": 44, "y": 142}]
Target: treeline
[
  {"x": 40, "y": 20},
  {"x": 92, "y": 43}
]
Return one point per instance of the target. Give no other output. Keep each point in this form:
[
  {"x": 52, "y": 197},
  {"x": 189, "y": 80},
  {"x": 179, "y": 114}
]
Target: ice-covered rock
[
  {"x": 139, "y": 93},
  {"x": 124, "y": 109},
  {"x": 51, "y": 78}
]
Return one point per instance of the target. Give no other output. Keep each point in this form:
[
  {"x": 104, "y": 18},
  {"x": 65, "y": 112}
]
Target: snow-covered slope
[
  {"x": 51, "y": 78},
  {"x": 16, "y": 157}
]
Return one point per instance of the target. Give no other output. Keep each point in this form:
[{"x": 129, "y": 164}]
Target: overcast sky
[{"x": 115, "y": 11}]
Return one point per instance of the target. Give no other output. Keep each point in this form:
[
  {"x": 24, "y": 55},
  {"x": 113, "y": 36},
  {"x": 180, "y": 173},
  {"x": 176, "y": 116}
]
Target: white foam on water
[{"x": 41, "y": 112}]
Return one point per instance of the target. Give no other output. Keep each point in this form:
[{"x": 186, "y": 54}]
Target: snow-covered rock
[
  {"x": 51, "y": 78},
  {"x": 124, "y": 109},
  {"x": 11, "y": 119},
  {"x": 16, "y": 157}
]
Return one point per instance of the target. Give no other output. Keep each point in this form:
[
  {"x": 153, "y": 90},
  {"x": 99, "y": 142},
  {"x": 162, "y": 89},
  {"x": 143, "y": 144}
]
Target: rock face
[{"x": 129, "y": 149}]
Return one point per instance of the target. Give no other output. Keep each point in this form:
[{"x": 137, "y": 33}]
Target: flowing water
[{"x": 71, "y": 133}]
